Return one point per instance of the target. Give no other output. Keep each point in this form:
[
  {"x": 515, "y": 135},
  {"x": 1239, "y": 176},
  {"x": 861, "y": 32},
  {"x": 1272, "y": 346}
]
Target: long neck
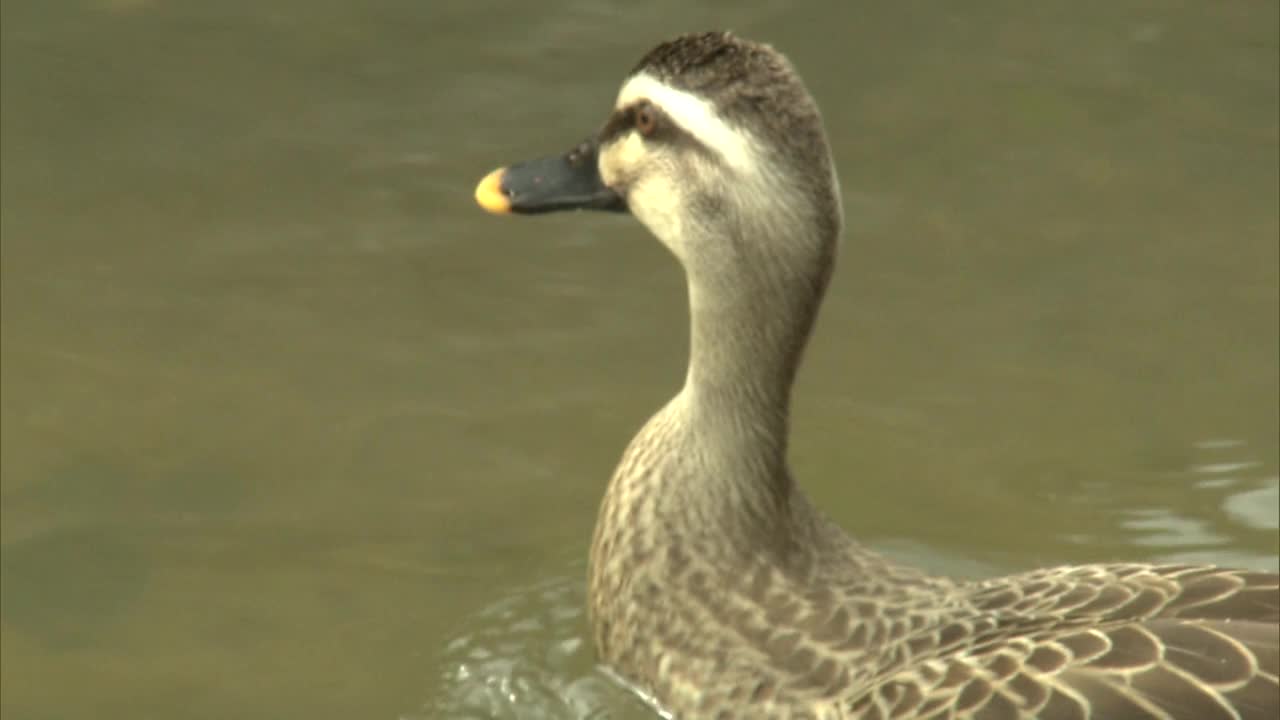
[
  {"x": 749, "y": 323},
  {"x": 745, "y": 346}
]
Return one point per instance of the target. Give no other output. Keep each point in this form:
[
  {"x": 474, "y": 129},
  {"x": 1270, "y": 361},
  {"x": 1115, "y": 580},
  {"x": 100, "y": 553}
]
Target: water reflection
[{"x": 1236, "y": 497}]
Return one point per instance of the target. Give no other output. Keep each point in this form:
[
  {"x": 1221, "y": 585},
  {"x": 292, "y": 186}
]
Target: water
[{"x": 291, "y": 429}]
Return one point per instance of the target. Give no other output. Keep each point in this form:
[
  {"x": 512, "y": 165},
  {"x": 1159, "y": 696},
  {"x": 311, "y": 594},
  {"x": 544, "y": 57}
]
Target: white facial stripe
[{"x": 695, "y": 115}]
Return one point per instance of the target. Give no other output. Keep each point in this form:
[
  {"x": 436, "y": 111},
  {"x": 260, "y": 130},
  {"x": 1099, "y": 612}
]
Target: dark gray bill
[{"x": 564, "y": 182}]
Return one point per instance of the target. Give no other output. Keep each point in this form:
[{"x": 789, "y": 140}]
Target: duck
[{"x": 716, "y": 588}]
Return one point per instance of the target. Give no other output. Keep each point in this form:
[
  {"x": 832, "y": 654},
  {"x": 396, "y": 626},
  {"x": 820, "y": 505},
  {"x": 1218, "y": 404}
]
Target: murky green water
[{"x": 291, "y": 429}]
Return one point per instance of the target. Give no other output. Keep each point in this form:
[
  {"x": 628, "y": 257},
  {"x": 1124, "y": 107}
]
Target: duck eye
[{"x": 646, "y": 120}]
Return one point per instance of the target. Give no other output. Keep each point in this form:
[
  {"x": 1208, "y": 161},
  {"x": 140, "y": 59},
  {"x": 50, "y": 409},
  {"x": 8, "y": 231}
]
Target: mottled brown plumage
[{"x": 719, "y": 591}]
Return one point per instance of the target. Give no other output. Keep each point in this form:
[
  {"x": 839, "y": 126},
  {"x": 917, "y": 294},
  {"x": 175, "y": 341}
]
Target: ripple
[
  {"x": 1258, "y": 508},
  {"x": 1236, "y": 498},
  {"x": 526, "y": 656}
]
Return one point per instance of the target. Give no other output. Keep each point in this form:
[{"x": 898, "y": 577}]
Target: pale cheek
[
  {"x": 655, "y": 202},
  {"x": 621, "y": 161}
]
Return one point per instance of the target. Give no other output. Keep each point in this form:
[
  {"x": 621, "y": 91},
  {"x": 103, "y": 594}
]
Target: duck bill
[{"x": 562, "y": 182}]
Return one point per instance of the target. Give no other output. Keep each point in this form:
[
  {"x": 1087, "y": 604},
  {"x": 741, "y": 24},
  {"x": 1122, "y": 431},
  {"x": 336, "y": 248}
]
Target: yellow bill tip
[{"x": 489, "y": 193}]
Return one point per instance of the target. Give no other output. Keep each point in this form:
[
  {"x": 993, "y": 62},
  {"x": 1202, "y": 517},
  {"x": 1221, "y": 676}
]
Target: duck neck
[
  {"x": 743, "y": 354},
  {"x": 748, "y": 332}
]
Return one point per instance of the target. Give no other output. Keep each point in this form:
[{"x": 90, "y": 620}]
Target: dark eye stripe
[
  {"x": 618, "y": 123},
  {"x": 623, "y": 120}
]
